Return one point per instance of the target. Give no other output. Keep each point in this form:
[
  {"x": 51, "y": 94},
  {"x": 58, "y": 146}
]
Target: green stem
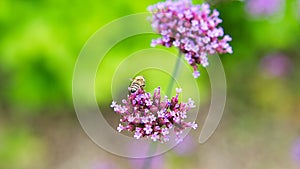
[
  {"x": 152, "y": 147},
  {"x": 174, "y": 75}
]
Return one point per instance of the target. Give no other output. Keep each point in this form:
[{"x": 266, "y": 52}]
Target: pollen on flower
[
  {"x": 193, "y": 29},
  {"x": 151, "y": 116}
]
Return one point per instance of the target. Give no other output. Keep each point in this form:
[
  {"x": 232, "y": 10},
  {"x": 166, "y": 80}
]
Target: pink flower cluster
[
  {"x": 153, "y": 117},
  {"x": 191, "y": 28},
  {"x": 260, "y": 8}
]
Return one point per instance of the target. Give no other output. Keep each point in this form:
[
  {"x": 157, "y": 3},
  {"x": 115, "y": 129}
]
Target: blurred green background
[{"x": 39, "y": 44}]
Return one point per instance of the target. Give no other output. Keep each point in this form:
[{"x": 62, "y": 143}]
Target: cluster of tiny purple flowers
[
  {"x": 152, "y": 116},
  {"x": 191, "y": 28},
  {"x": 261, "y": 8}
]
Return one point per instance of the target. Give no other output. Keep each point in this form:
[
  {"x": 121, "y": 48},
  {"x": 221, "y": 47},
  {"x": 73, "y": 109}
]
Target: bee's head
[{"x": 139, "y": 78}]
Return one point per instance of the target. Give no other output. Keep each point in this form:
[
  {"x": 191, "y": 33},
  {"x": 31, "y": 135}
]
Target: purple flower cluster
[
  {"x": 276, "y": 65},
  {"x": 191, "y": 28},
  {"x": 153, "y": 117},
  {"x": 263, "y": 7}
]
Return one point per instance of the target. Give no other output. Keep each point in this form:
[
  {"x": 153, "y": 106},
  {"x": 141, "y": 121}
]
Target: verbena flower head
[
  {"x": 276, "y": 65},
  {"x": 263, "y": 7},
  {"x": 151, "y": 116},
  {"x": 193, "y": 29}
]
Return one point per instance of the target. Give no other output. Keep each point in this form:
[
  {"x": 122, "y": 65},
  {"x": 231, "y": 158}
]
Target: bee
[{"x": 136, "y": 84}]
